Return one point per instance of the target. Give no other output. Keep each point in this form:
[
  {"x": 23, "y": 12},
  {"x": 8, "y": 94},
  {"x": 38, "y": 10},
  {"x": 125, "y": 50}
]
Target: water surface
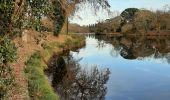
[{"x": 139, "y": 66}]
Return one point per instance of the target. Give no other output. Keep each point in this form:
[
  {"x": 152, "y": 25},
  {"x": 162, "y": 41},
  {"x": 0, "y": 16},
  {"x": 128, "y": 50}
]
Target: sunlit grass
[{"x": 38, "y": 85}]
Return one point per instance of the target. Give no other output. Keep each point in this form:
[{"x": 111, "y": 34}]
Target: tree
[
  {"x": 144, "y": 21},
  {"x": 129, "y": 13}
]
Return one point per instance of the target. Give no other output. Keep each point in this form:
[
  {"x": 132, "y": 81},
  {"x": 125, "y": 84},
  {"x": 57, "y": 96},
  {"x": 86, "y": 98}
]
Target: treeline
[
  {"x": 135, "y": 21},
  {"x": 75, "y": 28}
]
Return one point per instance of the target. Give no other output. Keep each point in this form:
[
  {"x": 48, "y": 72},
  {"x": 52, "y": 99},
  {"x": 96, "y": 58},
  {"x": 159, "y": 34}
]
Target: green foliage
[
  {"x": 58, "y": 16},
  {"x": 28, "y": 15},
  {"x": 129, "y": 13},
  {"x": 38, "y": 85},
  {"x": 7, "y": 56},
  {"x": 40, "y": 8},
  {"x": 7, "y": 51},
  {"x": 5, "y": 15},
  {"x": 7, "y": 81},
  {"x": 37, "y": 9}
]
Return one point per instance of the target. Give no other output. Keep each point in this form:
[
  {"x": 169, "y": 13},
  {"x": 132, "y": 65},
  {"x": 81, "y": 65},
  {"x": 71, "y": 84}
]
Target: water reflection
[
  {"x": 139, "y": 65},
  {"x": 134, "y": 47},
  {"x": 72, "y": 82}
]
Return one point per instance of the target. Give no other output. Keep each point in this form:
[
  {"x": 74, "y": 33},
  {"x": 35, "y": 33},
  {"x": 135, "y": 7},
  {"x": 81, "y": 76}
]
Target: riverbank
[
  {"x": 150, "y": 33},
  {"x": 34, "y": 51}
]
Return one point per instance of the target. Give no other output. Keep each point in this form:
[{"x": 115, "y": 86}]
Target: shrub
[{"x": 7, "y": 56}]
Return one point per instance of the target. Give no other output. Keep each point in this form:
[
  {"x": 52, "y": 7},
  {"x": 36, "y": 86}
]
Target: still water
[
  {"x": 139, "y": 66},
  {"x": 126, "y": 68}
]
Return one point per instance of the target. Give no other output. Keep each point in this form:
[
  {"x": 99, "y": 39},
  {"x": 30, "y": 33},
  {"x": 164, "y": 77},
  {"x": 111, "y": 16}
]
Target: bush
[
  {"x": 7, "y": 56},
  {"x": 7, "y": 51}
]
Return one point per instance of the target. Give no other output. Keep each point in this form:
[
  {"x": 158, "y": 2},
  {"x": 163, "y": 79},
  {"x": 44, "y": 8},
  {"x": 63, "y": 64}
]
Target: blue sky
[{"x": 118, "y": 6}]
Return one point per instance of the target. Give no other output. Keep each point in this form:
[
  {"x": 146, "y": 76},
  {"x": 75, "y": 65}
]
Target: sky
[
  {"x": 85, "y": 16},
  {"x": 120, "y": 5}
]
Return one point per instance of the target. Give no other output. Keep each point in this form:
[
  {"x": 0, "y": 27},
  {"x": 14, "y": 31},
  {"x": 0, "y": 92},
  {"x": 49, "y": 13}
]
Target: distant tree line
[{"x": 135, "y": 21}]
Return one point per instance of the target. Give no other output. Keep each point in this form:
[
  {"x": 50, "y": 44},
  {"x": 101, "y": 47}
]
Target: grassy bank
[{"x": 38, "y": 86}]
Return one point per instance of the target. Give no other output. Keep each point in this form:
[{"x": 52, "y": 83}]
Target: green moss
[{"x": 38, "y": 86}]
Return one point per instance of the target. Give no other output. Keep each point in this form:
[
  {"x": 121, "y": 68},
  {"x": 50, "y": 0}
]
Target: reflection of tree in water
[
  {"x": 127, "y": 53},
  {"x": 168, "y": 58},
  {"x": 102, "y": 40},
  {"x": 100, "y": 44},
  {"x": 114, "y": 51},
  {"x": 82, "y": 84},
  {"x": 135, "y": 47}
]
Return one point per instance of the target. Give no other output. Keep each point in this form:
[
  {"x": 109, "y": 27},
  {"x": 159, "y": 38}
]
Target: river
[{"x": 139, "y": 67}]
